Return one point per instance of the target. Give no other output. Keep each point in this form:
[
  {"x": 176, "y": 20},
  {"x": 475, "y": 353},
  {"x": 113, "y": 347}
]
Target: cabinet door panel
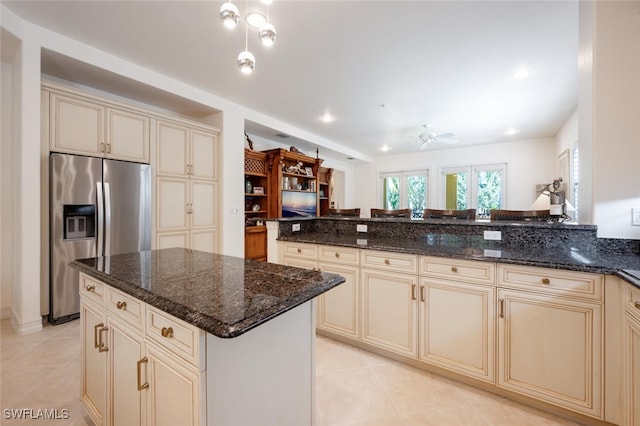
[
  {"x": 94, "y": 365},
  {"x": 172, "y": 198},
  {"x": 457, "y": 327},
  {"x": 127, "y": 402},
  {"x": 172, "y": 239},
  {"x": 389, "y": 311},
  {"x": 204, "y": 240},
  {"x": 77, "y": 125},
  {"x": 632, "y": 371},
  {"x": 338, "y": 308},
  {"x": 203, "y": 200},
  {"x": 204, "y": 154},
  {"x": 173, "y": 390},
  {"x": 172, "y": 148},
  {"x": 127, "y": 136},
  {"x": 551, "y": 349}
]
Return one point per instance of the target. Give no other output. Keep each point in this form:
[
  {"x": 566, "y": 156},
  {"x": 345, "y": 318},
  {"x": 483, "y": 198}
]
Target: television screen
[{"x": 298, "y": 203}]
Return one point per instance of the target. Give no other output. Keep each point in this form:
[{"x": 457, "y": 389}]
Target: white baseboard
[
  {"x": 5, "y": 312},
  {"x": 25, "y": 327}
]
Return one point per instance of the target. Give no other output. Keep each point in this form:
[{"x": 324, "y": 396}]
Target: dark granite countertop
[
  {"x": 477, "y": 248},
  {"x": 223, "y": 295}
]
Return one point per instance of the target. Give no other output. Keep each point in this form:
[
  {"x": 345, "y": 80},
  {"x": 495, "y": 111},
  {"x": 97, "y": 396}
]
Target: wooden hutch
[{"x": 289, "y": 184}]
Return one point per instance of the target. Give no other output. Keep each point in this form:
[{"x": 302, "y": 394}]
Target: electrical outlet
[
  {"x": 635, "y": 216},
  {"x": 361, "y": 228},
  {"x": 493, "y": 235},
  {"x": 295, "y": 227}
]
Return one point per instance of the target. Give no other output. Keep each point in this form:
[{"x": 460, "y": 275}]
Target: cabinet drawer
[
  {"x": 91, "y": 289},
  {"x": 390, "y": 261},
  {"x": 343, "y": 255},
  {"x": 464, "y": 270},
  {"x": 176, "y": 336},
  {"x": 308, "y": 251},
  {"x": 552, "y": 281},
  {"x": 632, "y": 300},
  {"x": 125, "y": 307}
]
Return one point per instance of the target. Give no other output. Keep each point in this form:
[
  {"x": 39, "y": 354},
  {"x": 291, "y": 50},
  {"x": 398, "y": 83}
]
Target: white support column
[{"x": 25, "y": 314}]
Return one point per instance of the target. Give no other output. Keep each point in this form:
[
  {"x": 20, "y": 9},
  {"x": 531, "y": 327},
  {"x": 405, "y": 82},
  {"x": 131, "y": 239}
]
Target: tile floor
[{"x": 354, "y": 387}]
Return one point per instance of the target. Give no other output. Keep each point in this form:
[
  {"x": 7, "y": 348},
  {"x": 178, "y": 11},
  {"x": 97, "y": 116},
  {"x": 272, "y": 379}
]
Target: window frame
[
  {"x": 472, "y": 181},
  {"x": 403, "y": 176}
]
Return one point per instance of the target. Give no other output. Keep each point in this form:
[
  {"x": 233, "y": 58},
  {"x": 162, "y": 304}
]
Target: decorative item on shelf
[
  {"x": 258, "y": 190},
  {"x": 322, "y": 193},
  {"x": 255, "y": 207},
  {"x": 249, "y": 141},
  {"x": 285, "y": 182},
  {"x": 294, "y": 183},
  {"x": 294, "y": 149},
  {"x": 248, "y": 187},
  {"x": 308, "y": 171},
  {"x": 297, "y": 168},
  {"x": 312, "y": 187}
]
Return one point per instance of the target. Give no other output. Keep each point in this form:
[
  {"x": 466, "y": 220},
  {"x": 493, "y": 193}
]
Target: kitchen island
[{"x": 176, "y": 336}]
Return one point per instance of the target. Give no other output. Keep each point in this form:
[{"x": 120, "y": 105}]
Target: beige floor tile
[{"x": 353, "y": 387}]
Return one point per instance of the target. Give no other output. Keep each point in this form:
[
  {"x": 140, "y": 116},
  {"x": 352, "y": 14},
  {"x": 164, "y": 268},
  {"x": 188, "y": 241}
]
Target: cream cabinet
[
  {"x": 390, "y": 311},
  {"x": 631, "y": 356},
  {"x": 87, "y": 126},
  {"x": 550, "y": 336},
  {"x": 93, "y": 352},
  {"x": 140, "y": 366},
  {"x": 457, "y": 323},
  {"x": 338, "y": 309},
  {"x": 186, "y": 187}
]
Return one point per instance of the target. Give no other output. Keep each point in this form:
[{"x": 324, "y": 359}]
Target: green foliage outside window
[{"x": 489, "y": 189}]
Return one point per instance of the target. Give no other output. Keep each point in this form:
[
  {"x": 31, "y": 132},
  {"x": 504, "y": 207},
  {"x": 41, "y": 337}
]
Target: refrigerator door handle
[
  {"x": 100, "y": 224},
  {"x": 107, "y": 219}
]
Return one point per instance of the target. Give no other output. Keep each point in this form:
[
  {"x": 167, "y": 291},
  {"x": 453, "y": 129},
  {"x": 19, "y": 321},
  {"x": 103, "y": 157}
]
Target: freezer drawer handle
[{"x": 121, "y": 305}]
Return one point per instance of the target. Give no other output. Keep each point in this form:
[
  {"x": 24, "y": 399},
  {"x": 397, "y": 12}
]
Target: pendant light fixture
[
  {"x": 230, "y": 17},
  {"x": 246, "y": 60}
]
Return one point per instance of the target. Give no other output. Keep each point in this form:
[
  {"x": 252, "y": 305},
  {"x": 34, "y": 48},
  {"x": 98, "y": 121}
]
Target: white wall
[
  {"x": 6, "y": 183},
  {"x": 616, "y": 118},
  {"x": 529, "y": 162},
  {"x": 567, "y": 136}
]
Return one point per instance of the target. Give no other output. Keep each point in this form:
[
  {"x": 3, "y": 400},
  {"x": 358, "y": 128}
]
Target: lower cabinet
[
  {"x": 631, "y": 357},
  {"x": 131, "y": 374},
  {"x": 338, "y": 308},
  {"x": 390, "y": 311},
  {"x": 457, "y": 327},
  {"x": 550, "y": 339}
]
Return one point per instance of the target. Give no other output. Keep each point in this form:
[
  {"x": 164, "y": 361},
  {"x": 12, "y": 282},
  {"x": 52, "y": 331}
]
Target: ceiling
[{"x": 382, "y": 69}]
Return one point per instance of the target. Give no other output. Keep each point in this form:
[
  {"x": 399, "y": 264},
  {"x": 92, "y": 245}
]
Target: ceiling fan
[{"x": 426, "y": 138}]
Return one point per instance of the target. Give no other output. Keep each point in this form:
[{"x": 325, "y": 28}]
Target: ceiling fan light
[
  {"x": 246, "y": 62},
  {"x": 267, "y": 34},
  {"x": 256, "y": 19},
  {"x": 229, "y": 15}
]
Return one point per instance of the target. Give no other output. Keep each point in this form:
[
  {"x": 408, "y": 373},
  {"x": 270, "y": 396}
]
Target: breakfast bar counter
[{"x": 176, "y": 336}]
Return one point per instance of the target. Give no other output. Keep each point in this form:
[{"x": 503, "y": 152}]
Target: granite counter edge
[{"x": 200, "y": 320}]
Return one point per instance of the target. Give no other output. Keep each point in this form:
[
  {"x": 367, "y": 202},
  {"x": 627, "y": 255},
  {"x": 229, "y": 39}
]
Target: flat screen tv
[{"x": 298, "y": 203}]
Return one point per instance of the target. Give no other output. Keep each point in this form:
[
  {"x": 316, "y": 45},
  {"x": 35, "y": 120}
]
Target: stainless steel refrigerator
[{"x": 98, "y": 207}]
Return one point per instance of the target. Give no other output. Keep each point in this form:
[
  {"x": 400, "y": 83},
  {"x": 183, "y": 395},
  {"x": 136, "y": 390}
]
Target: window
[
  {"x": 479, "y": 187},
  {"x": 402, "y": 190}
]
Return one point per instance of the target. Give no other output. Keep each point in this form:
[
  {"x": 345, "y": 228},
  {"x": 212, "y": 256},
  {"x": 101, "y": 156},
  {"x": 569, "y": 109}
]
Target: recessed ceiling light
[
  {"x": 327, "y": 118},
  {"x": 511, "y": 132},
  {"x": 521, "y": 73}
]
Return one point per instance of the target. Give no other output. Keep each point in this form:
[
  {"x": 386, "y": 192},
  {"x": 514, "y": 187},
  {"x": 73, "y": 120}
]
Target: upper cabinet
[
  {"x": 185, "y": 151},
  {"x": 81, "y": 125}
]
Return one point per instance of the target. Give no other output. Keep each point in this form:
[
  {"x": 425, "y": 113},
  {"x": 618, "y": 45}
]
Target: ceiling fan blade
[
  {"x": 448, "y": 141},
  {"x": 445, "y": 135}
]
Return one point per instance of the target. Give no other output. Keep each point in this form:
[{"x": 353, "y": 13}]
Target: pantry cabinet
[
  {"x": 186, "y": 187},
  {"x": 140, "y": 366},
  {"x": 550, "y": 337},
  {"x": 82, "y": 125}
]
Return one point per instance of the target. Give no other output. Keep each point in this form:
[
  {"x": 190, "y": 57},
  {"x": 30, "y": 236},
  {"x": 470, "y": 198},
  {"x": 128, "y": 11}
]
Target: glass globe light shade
[
  {"x": 229, "y": 15},
  {"x": 246, "y": 62},
  {"x": 267, "y": 34}
]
